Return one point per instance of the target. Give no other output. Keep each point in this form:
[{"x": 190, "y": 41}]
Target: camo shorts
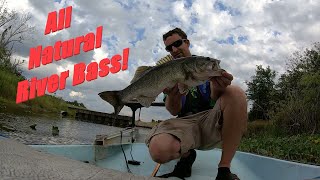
[{"x": 197, "y": 131}]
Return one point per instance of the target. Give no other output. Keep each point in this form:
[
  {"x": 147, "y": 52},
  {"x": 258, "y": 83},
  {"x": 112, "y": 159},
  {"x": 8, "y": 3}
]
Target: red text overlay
[{"x": 42, "y": 56}]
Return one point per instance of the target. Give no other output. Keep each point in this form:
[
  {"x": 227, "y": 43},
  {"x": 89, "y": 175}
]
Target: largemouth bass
[{"x": 187, "y": 72}]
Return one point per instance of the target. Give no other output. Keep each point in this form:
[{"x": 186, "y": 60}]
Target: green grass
[
  {"x": 8, "y": 84},
  {"x": 263, "y": 139},
  {"x": 47, "y": 104}
]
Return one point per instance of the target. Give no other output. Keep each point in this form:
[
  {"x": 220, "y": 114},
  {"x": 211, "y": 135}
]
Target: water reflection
[{"x": 70, "y": 130}]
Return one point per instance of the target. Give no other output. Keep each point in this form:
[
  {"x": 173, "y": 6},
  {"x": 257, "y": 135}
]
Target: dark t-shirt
[{"x": 197, "y": 100}]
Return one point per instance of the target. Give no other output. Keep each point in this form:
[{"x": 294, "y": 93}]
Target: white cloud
[
  {"x": 23, "y": 5},
  {"x": 76, "y": 94},
  {"x": 100, "y": 54}
]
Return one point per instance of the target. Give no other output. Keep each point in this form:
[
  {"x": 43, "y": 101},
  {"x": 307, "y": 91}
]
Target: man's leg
[
  {"x": 164, "y": 148},
  {"x": 234, "y": 108},
  {"x": 182, "y": 133}
]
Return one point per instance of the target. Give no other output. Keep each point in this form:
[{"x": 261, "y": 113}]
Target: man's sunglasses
[{"x": 176, "y": 44}]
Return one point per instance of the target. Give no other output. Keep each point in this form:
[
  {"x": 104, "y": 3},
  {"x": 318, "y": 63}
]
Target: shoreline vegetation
[
  {"x": 45, "y": 106},
  {"x": 48, "y": 104}
]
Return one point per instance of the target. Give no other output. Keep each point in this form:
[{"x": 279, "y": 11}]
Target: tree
[
  {"x": 261, "y": 92},
  {"x": 14, "y": 28},
  {"x": 300, "y": 63},
  {"x": 76, "y": 103},
  {"x": 299, "y": 89}
]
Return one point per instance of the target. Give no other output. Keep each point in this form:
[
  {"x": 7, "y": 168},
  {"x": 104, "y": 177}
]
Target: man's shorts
[{"x": 197, "y": 131}]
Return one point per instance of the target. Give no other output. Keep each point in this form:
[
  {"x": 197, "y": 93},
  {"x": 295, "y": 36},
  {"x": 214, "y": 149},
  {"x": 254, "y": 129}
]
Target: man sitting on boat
[{"x": 208, "y": 114}]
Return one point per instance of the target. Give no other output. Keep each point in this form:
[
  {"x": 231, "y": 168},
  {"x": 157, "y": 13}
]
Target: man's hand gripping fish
[{"x": 147, "y": 85}]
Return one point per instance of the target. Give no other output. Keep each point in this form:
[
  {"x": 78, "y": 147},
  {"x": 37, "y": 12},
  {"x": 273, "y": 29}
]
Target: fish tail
[{"x": 112, "y": 97}]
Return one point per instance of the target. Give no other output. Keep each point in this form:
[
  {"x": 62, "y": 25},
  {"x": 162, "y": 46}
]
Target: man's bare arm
[
  {"x": 219, "y": 84},
  {"x": 173, "y": 101},
  {"x": 173, "y": 106}
]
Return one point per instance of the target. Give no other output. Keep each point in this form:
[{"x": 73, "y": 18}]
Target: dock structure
[
  {"x": 128, "y": 135},
  {"x": 86, "y": 115}
]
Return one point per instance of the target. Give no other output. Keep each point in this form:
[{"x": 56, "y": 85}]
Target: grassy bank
[
  {"x": 47, "y": 104},
  {"x": 8, "y": 84},
  {"x": 299, "y": 148},
  {"x": 265, "y": 139}
]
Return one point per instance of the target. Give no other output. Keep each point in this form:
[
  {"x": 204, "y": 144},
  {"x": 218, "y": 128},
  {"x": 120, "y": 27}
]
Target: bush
[
  {"x": 301, "y": 112},
  {"x": 259, "y": 127}
]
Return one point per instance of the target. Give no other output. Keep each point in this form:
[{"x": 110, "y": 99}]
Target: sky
[{"x": 242, "y": 34}]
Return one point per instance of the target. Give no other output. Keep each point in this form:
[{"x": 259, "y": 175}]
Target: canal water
[{"x": 70, "y": 131}]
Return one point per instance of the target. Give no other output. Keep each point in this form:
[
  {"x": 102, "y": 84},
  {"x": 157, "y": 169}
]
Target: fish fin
[
  {"x": 146, "y": 101},
  {"x": 139, "y": 72},
  {"x": 183, "y": 88},
  {"x": 165, "y": 59},
  {"x": 112, "y": 97}
]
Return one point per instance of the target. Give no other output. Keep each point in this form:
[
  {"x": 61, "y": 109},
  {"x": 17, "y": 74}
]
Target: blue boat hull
[{"x": 247, "y": 166}]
